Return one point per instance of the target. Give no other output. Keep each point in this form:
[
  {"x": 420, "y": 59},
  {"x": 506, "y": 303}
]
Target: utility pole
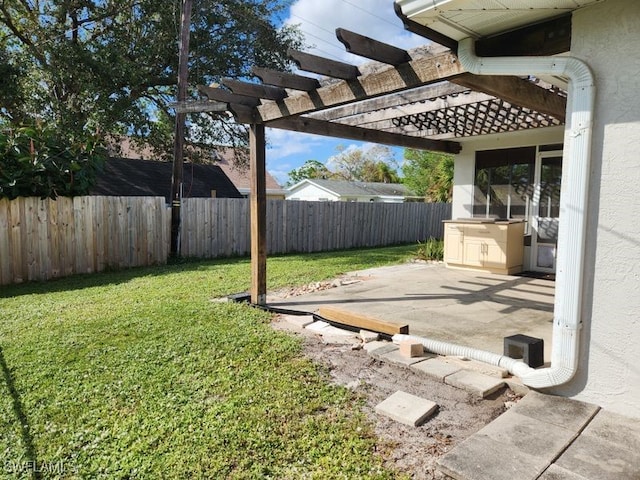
[{"x": 178, "y": 142}]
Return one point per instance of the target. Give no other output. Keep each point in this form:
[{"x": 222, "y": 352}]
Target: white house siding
[
  {"x": 607, "y": 37},
  {"x": 311, "y": 192}
]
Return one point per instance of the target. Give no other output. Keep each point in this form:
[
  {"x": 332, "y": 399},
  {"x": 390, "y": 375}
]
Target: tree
[
  {"x": 40, "y": 161},
  {"x": 428, "y": 174},
  {"x": 373, "y": 164},
  {"x": 111, "y": 65},
  {"x": 310, "y": 169}
]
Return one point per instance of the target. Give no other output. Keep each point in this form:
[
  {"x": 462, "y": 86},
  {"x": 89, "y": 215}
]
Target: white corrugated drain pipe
[{"x": 573, "y": 209}]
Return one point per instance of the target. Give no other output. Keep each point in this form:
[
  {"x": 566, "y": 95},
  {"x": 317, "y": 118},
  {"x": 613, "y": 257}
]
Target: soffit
[{"x": 458, "y": 19}]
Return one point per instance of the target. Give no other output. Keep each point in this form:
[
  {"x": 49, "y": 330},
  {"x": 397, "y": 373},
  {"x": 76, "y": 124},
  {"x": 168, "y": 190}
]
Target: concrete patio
[
  {"x": 464, "y": 307},
  {"x": 542, "y": 437}
]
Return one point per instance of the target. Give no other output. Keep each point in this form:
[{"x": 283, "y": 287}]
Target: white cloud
[
  {"x": 318, "y": 21},
  {"x": 285, "y": 143}
]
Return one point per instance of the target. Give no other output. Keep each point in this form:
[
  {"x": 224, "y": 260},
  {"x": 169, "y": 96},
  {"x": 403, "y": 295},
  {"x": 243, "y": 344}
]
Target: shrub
[{"x": 431, "y": 249}]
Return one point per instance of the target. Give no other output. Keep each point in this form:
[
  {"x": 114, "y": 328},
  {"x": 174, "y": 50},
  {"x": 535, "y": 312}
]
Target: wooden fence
[
  {"x": 43, "y": 239},
  {"x": 221, "y": 227}
]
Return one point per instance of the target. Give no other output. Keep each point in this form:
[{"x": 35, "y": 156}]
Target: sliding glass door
[{"x": 546, "y": 211}]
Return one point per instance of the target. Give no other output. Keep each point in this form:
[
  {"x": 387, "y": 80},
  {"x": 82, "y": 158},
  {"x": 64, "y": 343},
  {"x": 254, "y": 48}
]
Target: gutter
[{"x": 567, "y": 321}]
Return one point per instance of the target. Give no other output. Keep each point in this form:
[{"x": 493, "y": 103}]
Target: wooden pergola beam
[
  {"x": 339, "y": 130},
  {"x": 418, "y": 72},
  {"x": 258, "y": 212},
  {"x": 285, "y": 79},
  {"x": 381, "y": 117},
  {"x": 268, "y": 92},
  {"x": 372, "y": 49},
  {"x": 517, "y": 91},
  {"x": 323, "y": 66},
  {"x": 396, "y": 100},
  {"x": 220, "y": 95}
]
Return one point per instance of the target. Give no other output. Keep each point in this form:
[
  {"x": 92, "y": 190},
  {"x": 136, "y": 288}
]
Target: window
[{"x": 503, "y": 186}]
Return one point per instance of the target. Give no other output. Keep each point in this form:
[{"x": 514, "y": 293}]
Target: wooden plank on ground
[{"x": 362, "y": 321}]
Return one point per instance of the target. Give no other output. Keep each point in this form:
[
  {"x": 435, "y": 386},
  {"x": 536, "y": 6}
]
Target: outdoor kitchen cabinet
[{"x": 487, "y": 244}]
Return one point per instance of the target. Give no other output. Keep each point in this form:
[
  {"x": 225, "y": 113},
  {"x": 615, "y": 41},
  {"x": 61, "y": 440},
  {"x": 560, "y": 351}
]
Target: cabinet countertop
[{"x": 490, "y": 221}]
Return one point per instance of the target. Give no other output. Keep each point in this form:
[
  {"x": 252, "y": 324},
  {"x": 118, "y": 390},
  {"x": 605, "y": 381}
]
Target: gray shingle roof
[{"x": 343, "y": 188}]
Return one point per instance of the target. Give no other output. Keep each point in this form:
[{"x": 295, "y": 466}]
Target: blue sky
[{"x": 318, "y": 19}]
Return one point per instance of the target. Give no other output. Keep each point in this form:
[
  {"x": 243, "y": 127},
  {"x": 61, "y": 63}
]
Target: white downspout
[{"x": 573, "y": 207}]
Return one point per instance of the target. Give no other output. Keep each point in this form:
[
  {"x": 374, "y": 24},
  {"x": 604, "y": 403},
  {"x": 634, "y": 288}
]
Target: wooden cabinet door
[
  {"x": 453, "y": 244},
  {"x": 474, "y": 252}
]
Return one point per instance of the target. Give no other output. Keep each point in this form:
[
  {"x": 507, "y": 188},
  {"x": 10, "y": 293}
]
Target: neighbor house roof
[
  {"x": 343, "y": 188},
  {"x": 132, "y": 177},
  {"x": 241, "y": 176}
]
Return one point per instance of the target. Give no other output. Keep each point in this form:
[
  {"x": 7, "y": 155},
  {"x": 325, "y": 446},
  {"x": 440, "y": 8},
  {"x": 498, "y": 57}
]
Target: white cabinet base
[{"x": 497, "y": 247}]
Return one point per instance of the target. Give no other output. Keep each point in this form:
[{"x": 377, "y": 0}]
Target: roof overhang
[{"x": 458, "y": 19}]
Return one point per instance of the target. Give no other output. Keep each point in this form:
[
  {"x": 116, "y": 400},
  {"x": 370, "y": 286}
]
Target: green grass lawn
[{"x": 138, "y": 374}]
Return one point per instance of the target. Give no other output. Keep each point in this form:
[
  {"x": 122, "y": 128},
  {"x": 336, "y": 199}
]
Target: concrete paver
[
  {"x": 480, "y": 367},
  {"x": 317, "y": 326},
  {"x": 406, "y": 408},
  {"x": 374, "y": 345},
  {"x": 435, "y": 368},
  {"x": 617, "y": 429},
  {"x": 549, "y": 438},
  {"x": 598, "y": 459},
  {"x": 368, "y": 336},
  {"x": 480, "y": 457},
  {"x": 378, "y": 353},
  {"x": 530, "y": 436},
  {"x": 300, "y": 321},
  {"x": 555, "y": 472},
  {"x": 477, "y": 383},
  {"x": 397, "y": 358},
  {"x": 560, "y": 411}
]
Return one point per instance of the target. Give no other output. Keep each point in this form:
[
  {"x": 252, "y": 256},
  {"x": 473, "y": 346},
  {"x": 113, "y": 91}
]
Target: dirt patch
[{"x": 410, "y": 450}]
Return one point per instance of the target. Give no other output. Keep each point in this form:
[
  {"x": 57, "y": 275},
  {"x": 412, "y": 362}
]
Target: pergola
[{"x": 422, "y": 100}]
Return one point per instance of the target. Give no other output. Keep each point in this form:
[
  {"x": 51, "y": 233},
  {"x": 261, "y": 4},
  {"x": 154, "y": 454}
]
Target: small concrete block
[
  {"x": 482, "y": 458},
  {"x": 596, "y": 458},
  {"x": 376, "y": 344},
  {"x": 379, "y": 352},
  {"x": 368, "y": 336},
  {"x": 435, "y": 368},
  {"x": 317, "y": 326},
  {"x": 530, "y": 349},
  {"x": 395, "y": 357},
  {"x": 481, "y": 385},
  {"x": 300, "y": 321},
  {"x": 409, "y": 348},
  {"x": 406, "y": 408}
]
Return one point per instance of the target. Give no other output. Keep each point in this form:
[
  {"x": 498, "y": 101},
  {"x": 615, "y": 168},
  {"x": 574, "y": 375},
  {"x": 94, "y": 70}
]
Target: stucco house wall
[{"x": 606, "y": 36}]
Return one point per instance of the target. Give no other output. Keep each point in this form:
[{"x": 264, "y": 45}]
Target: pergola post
[{"x": 258, "y": 203}]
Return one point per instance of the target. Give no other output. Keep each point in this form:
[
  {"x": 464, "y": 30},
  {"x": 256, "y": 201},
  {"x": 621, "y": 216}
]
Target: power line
[{"x": 373, "y": 15}]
